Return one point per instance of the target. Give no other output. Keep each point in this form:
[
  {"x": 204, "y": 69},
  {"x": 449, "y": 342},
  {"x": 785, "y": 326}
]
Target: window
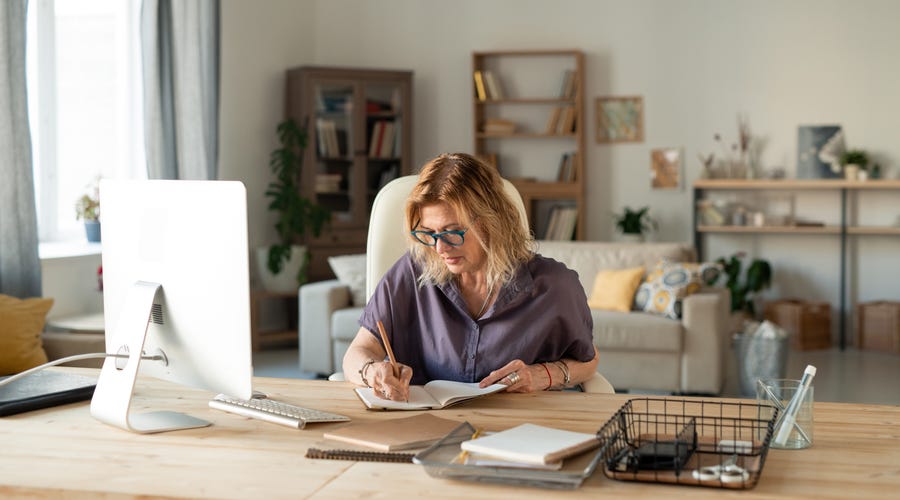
[{"x": 84, "y": 100}]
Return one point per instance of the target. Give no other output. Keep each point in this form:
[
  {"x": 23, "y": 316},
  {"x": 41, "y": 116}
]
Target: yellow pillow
[
  {"x": 614, "y": 289},
  {"x": 21, "y": 324}
]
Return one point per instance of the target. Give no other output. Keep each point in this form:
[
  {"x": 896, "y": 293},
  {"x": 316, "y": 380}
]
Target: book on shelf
[
  {"x": 434, "y": 395},
  {"x": 404, "y": 433},
  {"x": 386, "y": 148},
  {"x": 567, "y": 121},
  {"x": 492, "y": 85},
  {"x": 387, "y": 175},
  {"x": 567, "y": 170},
  {"x": 553, "y": 120},
  {"x": 561, "y": 223},
  {"x": 533, "y": 444},
  {"x": 568, "y": 84},
  {"x": 499, "y": 126},
  {"x": 375, "y": 139},
  {"x": 480, "y": 91},
  {"x": 328, "y": 183}
]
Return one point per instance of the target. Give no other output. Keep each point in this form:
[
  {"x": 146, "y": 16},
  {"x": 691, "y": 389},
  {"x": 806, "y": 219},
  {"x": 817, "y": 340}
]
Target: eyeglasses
[{"x": 453, "y": 238}]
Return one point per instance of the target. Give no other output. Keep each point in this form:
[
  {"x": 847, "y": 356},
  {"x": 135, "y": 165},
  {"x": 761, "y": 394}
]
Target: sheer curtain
[
  {"x": 20, "y": 264},
  {"x": 180, "y": 49}
]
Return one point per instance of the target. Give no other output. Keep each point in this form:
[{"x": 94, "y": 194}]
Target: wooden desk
[{"x": 63, "y": 451}]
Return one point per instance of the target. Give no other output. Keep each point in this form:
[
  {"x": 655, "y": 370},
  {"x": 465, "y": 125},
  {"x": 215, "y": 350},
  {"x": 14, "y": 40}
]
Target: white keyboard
[{"x": 276, "y": 412}]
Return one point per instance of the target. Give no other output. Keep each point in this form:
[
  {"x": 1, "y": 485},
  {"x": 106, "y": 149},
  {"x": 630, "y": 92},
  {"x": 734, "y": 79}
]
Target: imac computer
[{"x": 176, "y": 292}]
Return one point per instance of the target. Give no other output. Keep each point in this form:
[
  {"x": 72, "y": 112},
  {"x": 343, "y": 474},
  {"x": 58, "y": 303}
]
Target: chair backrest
[{"x": 387, "y": 239}]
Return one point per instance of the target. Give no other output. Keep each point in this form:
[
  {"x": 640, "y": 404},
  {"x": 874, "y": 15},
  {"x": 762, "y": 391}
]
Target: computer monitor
[{"x": 175, "y": 285}]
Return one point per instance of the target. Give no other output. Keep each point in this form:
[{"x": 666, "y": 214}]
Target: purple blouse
[{"x": 541, "y": 315}]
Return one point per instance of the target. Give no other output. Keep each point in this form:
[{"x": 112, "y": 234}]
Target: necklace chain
[{"x": 486, "y": 299}]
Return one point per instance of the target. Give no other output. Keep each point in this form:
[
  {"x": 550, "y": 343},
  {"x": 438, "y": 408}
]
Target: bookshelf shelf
[
  {"x": 541, "y": 92},
  {"x": 848, "y": 192},
  {"x": 360, "y": 137}
]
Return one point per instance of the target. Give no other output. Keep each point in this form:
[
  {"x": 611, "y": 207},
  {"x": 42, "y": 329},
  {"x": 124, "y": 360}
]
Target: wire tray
[{"x": 676, "y": 441}]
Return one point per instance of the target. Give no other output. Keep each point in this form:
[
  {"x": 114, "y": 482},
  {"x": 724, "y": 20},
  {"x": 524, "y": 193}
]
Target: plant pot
[
  {"x": 286, "y": 280},
  {"x": 92, "y": 230},
  {"x": 850, "y": 171}
]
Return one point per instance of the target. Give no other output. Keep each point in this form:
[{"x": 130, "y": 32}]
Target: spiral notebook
[{"x": 44, "y": 389}]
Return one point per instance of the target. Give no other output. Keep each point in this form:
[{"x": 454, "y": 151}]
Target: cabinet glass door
[
  {"x": 384, "y": 118},
  {"x": 334, "y": 143}
]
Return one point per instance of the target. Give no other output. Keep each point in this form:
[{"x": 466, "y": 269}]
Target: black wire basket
[{"x": 692, "y": 442}]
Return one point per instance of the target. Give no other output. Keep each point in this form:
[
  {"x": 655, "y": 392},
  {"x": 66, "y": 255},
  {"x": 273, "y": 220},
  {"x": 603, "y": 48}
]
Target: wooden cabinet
[
  {"x": 529, "y": 120},
  {"x": 360, "y": 137},
  {"x": 850, "y": 195}
]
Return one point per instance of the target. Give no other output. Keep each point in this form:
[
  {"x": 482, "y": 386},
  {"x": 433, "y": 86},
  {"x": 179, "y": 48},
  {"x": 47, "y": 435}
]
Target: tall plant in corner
[{"x": 296, "y": 213}]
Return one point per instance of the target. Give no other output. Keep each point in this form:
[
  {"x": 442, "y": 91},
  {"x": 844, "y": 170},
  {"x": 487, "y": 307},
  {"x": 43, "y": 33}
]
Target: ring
[
  {"x": 513, "y": 378},
  {"x": 384, "y": 393}
]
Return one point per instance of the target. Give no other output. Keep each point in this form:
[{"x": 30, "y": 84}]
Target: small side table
[{"x": 258, "y": 337}]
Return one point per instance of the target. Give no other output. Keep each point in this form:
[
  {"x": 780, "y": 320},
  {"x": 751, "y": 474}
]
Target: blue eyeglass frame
[{"x": 434, "y": 236}]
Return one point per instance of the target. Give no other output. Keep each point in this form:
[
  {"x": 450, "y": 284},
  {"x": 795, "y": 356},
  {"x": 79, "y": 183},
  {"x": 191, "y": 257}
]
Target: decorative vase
[
  {"x": 92, "y": 230},
  {"x": 286, "y": 280}
]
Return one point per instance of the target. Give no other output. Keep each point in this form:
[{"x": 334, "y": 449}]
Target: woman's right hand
[{"x": 386, "y": 383}]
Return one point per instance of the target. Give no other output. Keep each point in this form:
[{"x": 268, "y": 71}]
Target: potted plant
[
  {"x": 296, "y": 215},
  {"x": 633, "y": 223},
  {"x": 854, "y": 162},
  {"x": 88, "y": 208},
  {"x": 743, "y": 291}
]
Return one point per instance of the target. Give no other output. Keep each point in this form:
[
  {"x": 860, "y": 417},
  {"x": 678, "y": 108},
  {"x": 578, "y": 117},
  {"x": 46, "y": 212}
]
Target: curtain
[
  {"x": 180, "y": 52},
  {"x": 20, "y": 264}
]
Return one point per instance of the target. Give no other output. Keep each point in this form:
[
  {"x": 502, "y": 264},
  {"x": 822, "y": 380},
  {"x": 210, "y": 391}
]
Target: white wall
[{"x": 697, "y": 63}]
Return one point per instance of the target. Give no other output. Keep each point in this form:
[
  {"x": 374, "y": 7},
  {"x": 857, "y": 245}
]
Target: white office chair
[{"x": 387, "y": 241}]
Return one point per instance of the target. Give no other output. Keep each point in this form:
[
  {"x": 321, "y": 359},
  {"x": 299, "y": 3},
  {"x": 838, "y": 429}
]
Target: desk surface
[{"x": 48, "y": 452}]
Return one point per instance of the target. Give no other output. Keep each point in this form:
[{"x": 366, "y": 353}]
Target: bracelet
[
  {"x": 362, "y": 372},
  {"x": 548, "y": 376},
  {"x": 565, "y": 369}
]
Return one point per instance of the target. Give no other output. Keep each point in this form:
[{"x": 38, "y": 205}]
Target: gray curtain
[
  {"x": 180, "y": 50},
  {"x": 20, "y": 264}
]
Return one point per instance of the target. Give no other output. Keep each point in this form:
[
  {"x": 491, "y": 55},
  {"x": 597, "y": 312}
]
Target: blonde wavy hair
[{"x": 475, "y": 192}]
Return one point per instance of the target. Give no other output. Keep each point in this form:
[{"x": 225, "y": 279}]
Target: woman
[{"x": 471, "y": 301}]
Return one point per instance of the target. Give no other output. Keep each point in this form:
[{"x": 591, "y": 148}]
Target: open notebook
[{"x": 431, "y": 396}]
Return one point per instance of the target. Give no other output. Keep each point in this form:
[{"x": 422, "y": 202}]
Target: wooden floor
[{"x": 851, "y": 376}]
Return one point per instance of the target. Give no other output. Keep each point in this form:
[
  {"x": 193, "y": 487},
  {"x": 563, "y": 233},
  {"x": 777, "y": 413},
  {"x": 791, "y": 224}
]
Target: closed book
[
  {"x": 534, "y": 444},
  {"x": 396, "y": 434}
]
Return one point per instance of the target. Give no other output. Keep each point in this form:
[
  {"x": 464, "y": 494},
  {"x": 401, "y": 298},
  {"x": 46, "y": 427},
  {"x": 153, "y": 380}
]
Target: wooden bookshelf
[
  {"x": 533, "y": 85},
  {"x": 848, "y": 191}
]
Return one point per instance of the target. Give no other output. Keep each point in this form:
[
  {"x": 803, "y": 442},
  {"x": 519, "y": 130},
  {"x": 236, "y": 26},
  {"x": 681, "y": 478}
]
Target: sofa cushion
[
  {"x": 666, "y": 286},
  {"x": 21, "y": 323},
  {"x": 614, "y": 288},
  {"x": 635, "y": 331},
  {"x": 351, "y": 271}
]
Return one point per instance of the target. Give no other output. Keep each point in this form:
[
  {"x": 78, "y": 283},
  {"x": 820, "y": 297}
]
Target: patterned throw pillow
[{"x": 666, "y": 286}]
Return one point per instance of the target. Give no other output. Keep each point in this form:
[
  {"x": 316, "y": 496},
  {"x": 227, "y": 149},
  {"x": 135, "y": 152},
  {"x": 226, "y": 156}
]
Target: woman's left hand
[{"x": 518, "y": 376}]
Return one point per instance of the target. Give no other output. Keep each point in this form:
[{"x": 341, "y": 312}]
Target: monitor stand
[{"x": 112, "y": 397}]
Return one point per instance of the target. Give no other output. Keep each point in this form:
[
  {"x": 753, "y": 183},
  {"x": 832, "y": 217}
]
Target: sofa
[{"x": 638, "y": 350}]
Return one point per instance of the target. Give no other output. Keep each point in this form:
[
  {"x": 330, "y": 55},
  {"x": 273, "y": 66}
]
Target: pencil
[{"x": 387, "y": 347}]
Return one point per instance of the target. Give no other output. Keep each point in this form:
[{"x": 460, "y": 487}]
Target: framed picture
[
  {"x": 818, "y": 148},
  {"x": 620, "y": 119},
  {"x": 665, "y": 168}
]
